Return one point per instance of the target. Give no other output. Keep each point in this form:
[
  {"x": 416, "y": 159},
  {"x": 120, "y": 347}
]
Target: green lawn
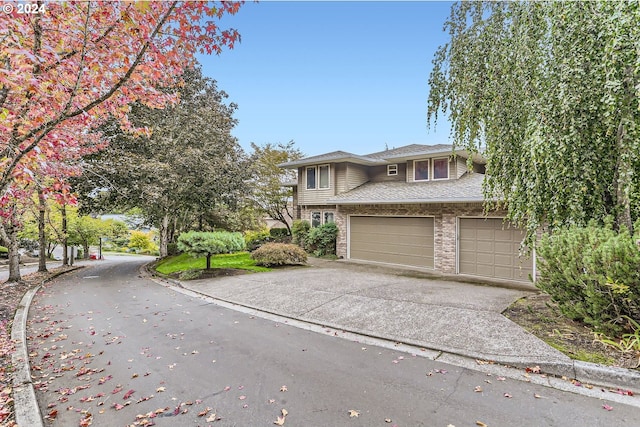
[{"x": 183, "y": 262}]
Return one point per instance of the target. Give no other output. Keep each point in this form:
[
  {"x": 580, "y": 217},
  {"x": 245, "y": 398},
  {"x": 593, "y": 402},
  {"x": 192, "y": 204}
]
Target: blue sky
[{"x": 333, "y": 75}]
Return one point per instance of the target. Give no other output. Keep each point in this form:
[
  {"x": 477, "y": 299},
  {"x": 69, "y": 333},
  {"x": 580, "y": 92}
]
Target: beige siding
[
  {"x": 316, "y": 196},
  {"x": 461, "y": 167},
  {"x": 341, "y": 178},
  {"x": 356, "y": 176},
  {"x": 379, "y": 173}
]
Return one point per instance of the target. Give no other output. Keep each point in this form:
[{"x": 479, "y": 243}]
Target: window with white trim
[
  {"x": 316, "y": 219},
  {"x": 441, "y": 168},
  {"x": 328, "y": 217},
  {"x": 317, "y": 177},
  {"x": 311, "y": 178},
  {"x": 421, "y": 170},
  {"x": 323, "y": 171},
  {"x": 392, "y": 170}
]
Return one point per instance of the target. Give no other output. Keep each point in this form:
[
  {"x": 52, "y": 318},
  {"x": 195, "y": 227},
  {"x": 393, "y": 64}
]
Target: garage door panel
[
  {"x": 396, "y": 240},
  {"x": 496, "y": 247}
]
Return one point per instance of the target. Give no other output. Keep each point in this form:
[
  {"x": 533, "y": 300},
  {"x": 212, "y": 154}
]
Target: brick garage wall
[{"x": 444, "y": 216}]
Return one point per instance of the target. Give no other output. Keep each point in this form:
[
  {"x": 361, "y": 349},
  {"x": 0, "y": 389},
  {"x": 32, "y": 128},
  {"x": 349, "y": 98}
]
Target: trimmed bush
[
  {"x": 255, "y": 238},
  {"x": 278, "y": 233},
  {"x": 197, "y": 243},
  {"x": 4, "y": 252},
  {"x": 593, "y": 273},
  {"x": 300, "y": 230},
  {"x": 271, "y": 254},
  {"x": 321, "y": 241}
]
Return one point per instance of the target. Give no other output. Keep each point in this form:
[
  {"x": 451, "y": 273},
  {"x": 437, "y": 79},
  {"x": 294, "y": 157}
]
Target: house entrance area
[
  {"x": 393, "y": 240},
  {"x": 489, "y": 247}
]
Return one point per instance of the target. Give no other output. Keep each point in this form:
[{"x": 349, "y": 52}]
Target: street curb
[
  {"x": 25, "y": 403},
  {"x": 24, "y": 396}
]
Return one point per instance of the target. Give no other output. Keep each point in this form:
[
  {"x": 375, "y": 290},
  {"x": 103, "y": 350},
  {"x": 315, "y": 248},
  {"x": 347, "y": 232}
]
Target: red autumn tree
[{"x": 71, "y": 65}]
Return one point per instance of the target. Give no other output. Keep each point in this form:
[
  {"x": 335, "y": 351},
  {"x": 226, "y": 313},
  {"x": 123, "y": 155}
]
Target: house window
[
  {"x": 317, "y": 177},
  {"x": 315, "y": 219},
  {"x": 421, "y": 170},
  {"x": 392, "y": 170},
  {"x": 311, "y": 178},
  {"x": 324, "y": 176},
  {"x": 328, "y": 217},
  {"x": 440, "y": 168}
]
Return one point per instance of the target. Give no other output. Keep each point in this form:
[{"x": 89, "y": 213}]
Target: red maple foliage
[{"x": 70, "y": 65}]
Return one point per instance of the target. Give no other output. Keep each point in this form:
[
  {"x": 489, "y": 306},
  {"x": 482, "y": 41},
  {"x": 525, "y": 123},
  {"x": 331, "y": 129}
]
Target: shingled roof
[
  {"x": 466, "y": 189},
  {"x": 411, "y": 150},
  {"x": 334, "y": 156}
]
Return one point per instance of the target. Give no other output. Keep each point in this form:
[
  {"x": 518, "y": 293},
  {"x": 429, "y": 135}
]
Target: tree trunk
[
  {"x": 65, "y": 258},
  {"x": 622, "y": 177},
  {"x": 164, "y": 236},
  {"x": 85, "y": 247},
  {"x": 10, "y": 235},
  {"x": 42, "y": 238},
  {"x": 208, "y": 261}
]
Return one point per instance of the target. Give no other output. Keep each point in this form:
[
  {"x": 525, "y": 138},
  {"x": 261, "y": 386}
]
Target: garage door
[
  {"x": 488, "y": 247},
  {"x": 395, "y": 240}
]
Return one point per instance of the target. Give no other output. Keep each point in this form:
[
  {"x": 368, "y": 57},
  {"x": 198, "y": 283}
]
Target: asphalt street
[{"x": 109, "y": 347}]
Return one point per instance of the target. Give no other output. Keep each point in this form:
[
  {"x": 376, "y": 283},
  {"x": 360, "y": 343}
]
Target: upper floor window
[
  {"x": 317, "y": 177},
  {"x": 440, "y": 168},
  {"x": 421, "y": 170},
  {"x": 311, "y": 178},
  {"x": 392, "y": 170}
]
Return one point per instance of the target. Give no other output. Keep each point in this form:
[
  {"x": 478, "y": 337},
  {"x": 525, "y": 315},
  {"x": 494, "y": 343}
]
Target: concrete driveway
[{"x": 448, "y": 316}]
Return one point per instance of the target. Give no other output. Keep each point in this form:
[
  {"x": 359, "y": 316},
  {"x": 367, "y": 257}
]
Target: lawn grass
[{"x": 183, "y": 262}]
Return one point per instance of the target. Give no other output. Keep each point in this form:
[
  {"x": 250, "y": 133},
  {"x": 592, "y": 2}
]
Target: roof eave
[{"x": 406, "y": 201}]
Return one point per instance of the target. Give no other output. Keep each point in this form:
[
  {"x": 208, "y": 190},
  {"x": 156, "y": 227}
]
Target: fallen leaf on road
[
  {"x": 204, "y": 412},
  {"x": 622, "y": 392},
  {"x": 508, "y": 396},
  {"x": 535, "y": 369},
  {"x": 128, "y": 394},
  {"x": 283, "y": 388},
  {"x": 160, "y": 389},
  {"x": 353, "y": 413},
  {"x": 478, "y": 389},
  {"x": 243, "y": 397},
  {"x": 118, "y": 389},
  {"x": 607, "y": 407},
  {"x": 537, "y": 396},
  {"x": 481, "y": 424},
  {"x": 280, "y": 420},
  {"x": 211, "y": 418},
  {"x": 387, "y": 420}
]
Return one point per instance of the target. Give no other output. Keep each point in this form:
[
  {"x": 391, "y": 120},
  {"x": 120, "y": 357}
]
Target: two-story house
[{"x": 417, "y": 205}]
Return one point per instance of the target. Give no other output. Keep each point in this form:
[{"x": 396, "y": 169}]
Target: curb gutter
[{"x": 24, "y": 396}]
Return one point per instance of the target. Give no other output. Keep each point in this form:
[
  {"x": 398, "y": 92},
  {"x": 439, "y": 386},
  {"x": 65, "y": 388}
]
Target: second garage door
[
  {"x": 488, "y": 247},
  {"x": 395, "y": 240}
]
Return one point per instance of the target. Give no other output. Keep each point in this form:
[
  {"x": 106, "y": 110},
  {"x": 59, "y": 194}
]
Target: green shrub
[
  {"x": 278, "y": 233},
  {"x": 322, "y": 240},
  {"x": 198, "y": 243},
  {"x": 255, "y": 238},
  {"x": 271, "y": 254},
  {"x": 4, "y": 252},
  {"x": 593, "y": 273},
  {"x": 172, "y": 249},
  {"x": 192, "y": 274},
  {"x": 300, "y": 230}
]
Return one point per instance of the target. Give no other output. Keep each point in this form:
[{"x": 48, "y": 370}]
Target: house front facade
[{"x": 418, "y": 205}]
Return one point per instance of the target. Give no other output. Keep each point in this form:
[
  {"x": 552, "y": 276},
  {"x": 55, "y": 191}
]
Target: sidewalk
[{"x": 454, "y": 318}]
